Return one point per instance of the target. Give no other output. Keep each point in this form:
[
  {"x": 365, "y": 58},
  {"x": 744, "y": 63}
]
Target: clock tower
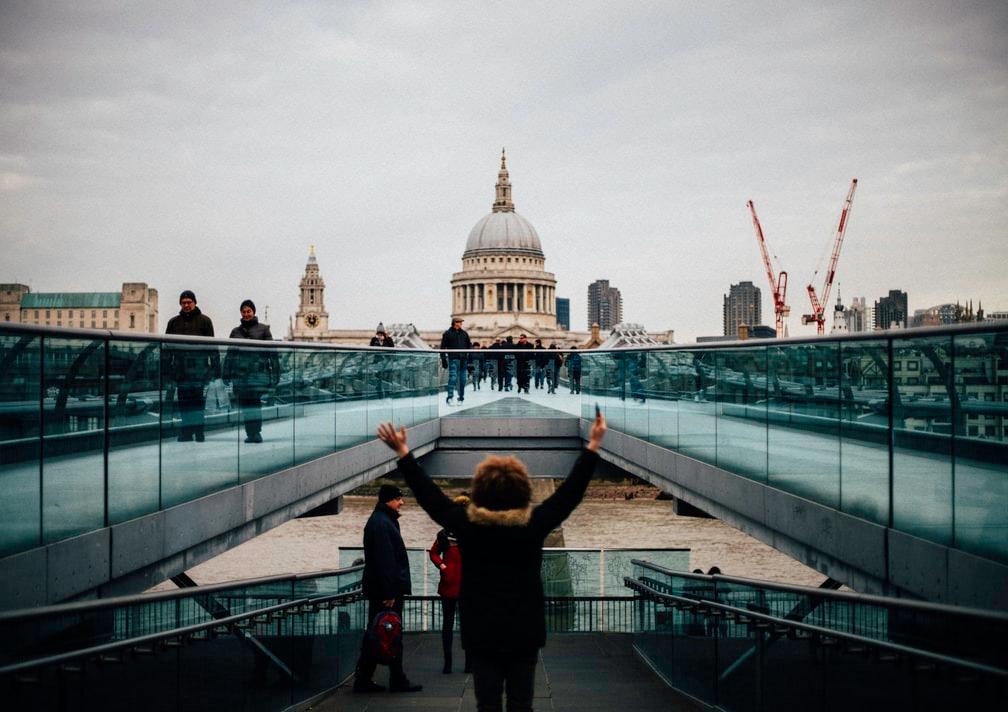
[{"x": 311, "y": 320}]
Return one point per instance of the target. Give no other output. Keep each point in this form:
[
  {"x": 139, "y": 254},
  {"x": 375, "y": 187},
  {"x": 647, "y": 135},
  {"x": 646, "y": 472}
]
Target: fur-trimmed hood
[{"x": 498, "y": 517}]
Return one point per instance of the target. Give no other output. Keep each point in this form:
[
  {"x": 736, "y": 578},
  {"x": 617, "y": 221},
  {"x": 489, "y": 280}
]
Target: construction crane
[
  {"x": 778, "y": 283},
  {"x": 823, "y": 297}
]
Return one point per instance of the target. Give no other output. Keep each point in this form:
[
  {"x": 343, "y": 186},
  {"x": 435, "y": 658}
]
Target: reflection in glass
[
  {"x": 922, "y": 439},
  {"x": 134, "y": 406},
  {"x": 803, "y": 413},
  {"x": 199, "y": 436},
  {"x": 262, "y": 384},
  {"x": 697, "y": 421},
  {"x": 73, "y": 437},
  {"x": 20, "y": 505},
  {"x": 864, "y": 429},
  {"x": 742, "y": 412},
  {"x": 314, "y": 404},
  {"x": 981, "y": 444}
]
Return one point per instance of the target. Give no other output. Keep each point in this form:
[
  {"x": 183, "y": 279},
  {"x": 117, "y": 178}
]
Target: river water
[{"x": 312, "y": 544}]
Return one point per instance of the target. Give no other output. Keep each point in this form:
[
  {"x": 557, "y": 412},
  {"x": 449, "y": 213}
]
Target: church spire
[{"x": 502, "y": 203}]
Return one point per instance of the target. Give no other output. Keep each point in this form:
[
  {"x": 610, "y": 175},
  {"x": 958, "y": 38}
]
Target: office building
[
  {"x": 741, "y": 306},
  {"x": 605, "y": 305}
]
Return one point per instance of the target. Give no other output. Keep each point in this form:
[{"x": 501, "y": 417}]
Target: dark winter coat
[
  {"x": 186, "y": 364},
  {"x": 454, "y": 339},
  {"x": 501, "y": 600},
  {"x": 388, "y": 343},
  {"x": 541, "y": 358},
  {"x": 249, "y": 369},
  {"x": 386, "y": 566},
  {"x": 574, "y": 362}
]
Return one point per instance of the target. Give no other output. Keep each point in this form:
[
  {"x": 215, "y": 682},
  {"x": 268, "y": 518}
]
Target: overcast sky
[{"x": 207, "y": 145}]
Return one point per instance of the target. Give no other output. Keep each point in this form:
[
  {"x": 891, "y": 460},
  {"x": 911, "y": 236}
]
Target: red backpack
[{"x": 384, "y": 637}]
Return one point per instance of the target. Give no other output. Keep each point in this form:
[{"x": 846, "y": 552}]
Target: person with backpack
[
  {"x": 385, "y": 581},
  {"x": 446, "y": 555},
  {"x": 501, "y": 598}
]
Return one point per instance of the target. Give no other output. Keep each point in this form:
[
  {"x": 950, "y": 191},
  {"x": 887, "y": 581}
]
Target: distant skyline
[{"x": 205, "y": 147}]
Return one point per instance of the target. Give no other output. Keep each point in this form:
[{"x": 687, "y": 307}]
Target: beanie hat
[
  {"x": 187, "y": 294},
  {"x": 380, "y": 329},
  {"x": 248, "y": 303},
  {"x": 386, "y": 493}
]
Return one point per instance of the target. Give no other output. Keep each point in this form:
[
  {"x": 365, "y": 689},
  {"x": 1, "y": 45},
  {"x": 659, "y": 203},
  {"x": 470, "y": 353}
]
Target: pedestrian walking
[
  {"x": 385, "y": 581},
  {"x": 252, "y": 372},
  {"x": 501, "y": 536},
  {"x": 524, "y": 363},
  {"x": 508, "y": 362},
  {"x": 191, "y": 368},
  {"x": 540, "y": 365},
  {"x": 574, "y": 370},
  {"x": 553, "y": 364},
  {"x": 455, "y": 338}
]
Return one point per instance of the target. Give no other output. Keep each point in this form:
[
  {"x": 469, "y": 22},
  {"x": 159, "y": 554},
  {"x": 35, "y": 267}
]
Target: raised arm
[
  {"x": 429, "y": 496},
  {"x": 558, "y": 506}
]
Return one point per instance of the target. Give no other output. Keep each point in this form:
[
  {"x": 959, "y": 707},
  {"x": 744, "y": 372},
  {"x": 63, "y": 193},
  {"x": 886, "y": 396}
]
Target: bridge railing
[
  {"x": 907, "y": 428},
  {"x": 97, "y": 428},
  {"x": 966, "y": 633},
  {"x": 737, "y": 656}
]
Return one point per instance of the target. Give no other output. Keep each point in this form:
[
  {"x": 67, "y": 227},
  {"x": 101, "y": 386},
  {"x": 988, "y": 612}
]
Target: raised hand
[
  {"x": 395, "y": 439},
  {"x": 598, "y": 431}
]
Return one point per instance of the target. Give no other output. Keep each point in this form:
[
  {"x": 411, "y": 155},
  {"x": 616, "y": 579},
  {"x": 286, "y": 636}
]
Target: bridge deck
[{"x": 576, "y": 672}]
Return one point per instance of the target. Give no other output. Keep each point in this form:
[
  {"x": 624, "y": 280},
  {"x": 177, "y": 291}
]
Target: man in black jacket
[
  {"x": 252, "y": 372},
  {"x": 501, "y": 600},
  {"x": 190, "y": 368},
  {"x": 386, "y": 580},
  {"x": 455, "y": 338}
]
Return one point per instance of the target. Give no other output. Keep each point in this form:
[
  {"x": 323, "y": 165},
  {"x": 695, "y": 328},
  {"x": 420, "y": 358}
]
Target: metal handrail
[
  {"x": 849, "y": 596},
  {"x": 900, "y": 334},
  {"x": 101, "y": 604},
  {"x": 744, "y": 613}
]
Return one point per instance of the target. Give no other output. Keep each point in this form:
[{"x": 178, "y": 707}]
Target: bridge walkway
[{"x": 576, "y": 672}]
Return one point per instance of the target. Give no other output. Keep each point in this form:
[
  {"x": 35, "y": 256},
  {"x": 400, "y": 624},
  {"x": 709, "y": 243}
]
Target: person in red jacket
[{"x": 446, "y": 555}]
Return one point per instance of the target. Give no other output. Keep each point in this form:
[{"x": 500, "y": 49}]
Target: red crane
[
  {"x": 778, "y": 283},
  {"x": 818, "y": 302}
]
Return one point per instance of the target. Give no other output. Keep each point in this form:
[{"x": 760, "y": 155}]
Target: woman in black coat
[{"x": 501, "y": 537}]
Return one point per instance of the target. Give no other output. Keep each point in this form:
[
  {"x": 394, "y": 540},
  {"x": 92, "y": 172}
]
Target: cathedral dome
[{"x": 504, "y": 232}]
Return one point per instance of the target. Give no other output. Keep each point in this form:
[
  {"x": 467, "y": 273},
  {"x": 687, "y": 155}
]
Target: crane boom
[
  {"x": 817, "y": 301},
  {"x": 778, "y": 283}
]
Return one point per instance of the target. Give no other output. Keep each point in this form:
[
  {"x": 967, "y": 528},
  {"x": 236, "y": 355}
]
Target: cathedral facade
[{"x": 502, "y": 290}]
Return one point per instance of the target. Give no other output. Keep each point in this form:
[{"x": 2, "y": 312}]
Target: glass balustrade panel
[
  {"x": 262, "y": 402},
  {"x": 73, "y": 437},
  {"x": 314, "y": 394},
  {"x": 20, "y": 442},
  {"x": 134, "y": 412},
  {"x": 803, "y": 420},
  {"x": 663, "y": 398},
  {"x": 922, "y": 437},
  {"x": 199, "y": 426},
  {"x": 864, "y": 429},
  {"x": 351, "y": 400},
  {"x": 742, "y": 412},
  {"x": 981, "y": 444}
]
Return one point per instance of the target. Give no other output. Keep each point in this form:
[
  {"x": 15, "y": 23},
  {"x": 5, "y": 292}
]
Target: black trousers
[
  {"x": 250, "y": 402},
  {"x": 448, "y": 608},
  {"x": 191, "y": 404},
  {"x": 495, "y": 673},
  {"x": 366, "y": 664}
]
